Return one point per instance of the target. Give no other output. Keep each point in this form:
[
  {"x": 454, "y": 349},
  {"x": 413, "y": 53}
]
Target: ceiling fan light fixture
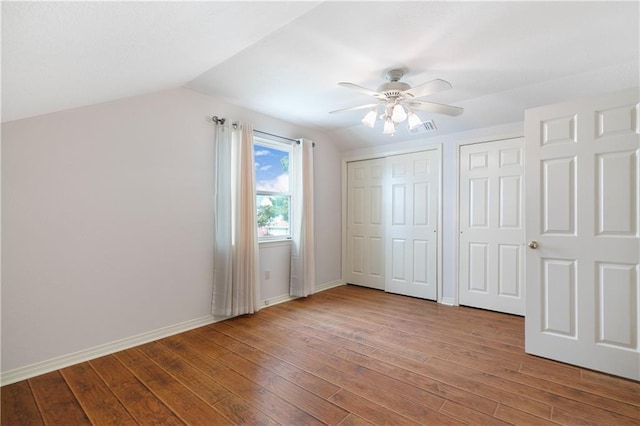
[
  {"x": 398, "y": 100},
  {"x": 414, "y": 120},
  {"x": 369, "y": 119},
  {"x": 399, "y": 114},
  {"x": 389, "y": 128}
]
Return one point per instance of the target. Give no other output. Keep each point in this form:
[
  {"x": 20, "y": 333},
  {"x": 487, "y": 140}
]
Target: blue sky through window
[{"x": 270, "y": 175}]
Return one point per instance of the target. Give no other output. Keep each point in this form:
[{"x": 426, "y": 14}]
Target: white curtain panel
[
  {"x": 302, "y": 248},
  {"x": 236, "y": 273}
]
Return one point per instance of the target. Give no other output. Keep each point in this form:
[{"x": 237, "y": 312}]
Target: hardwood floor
[{"x": 346, "y": 356}]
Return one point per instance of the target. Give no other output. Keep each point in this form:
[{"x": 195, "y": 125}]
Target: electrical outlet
[{"x": 267, "y": 274}]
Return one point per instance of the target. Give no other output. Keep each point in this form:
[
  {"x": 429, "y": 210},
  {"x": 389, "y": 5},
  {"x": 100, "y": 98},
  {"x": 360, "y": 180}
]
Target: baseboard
[
  {"x": 277, "y": 300},
  {"x": 327, "y": 286},
  {"x": 22, "y": 373},
  {"x": 450, "y": 301},
  {"x": 285, "y": 297}
]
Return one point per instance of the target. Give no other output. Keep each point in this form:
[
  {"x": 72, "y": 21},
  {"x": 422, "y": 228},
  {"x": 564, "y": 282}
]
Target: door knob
[{"x": 533, "y": 245}]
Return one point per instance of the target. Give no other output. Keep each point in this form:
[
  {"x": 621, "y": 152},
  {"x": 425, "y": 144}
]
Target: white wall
[
  {"x": 449, "y": 187},
  {"x": 275, "y": 267},
  {"x": 107, "y": 221}
]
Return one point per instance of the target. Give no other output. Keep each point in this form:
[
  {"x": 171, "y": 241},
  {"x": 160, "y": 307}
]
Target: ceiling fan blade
[
  {"x": 436, "y": 108},
  {"x": 425, "y": 89},
  {"x": 355, "y": 108},
  {"x": 361, "y": 89}
]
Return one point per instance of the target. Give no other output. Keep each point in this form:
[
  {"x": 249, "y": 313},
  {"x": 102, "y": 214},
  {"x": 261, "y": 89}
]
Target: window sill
[{"x": 274, "y": 243}]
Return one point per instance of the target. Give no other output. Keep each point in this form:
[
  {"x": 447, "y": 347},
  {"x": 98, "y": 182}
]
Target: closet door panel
[{"x": 365, "y": 223}]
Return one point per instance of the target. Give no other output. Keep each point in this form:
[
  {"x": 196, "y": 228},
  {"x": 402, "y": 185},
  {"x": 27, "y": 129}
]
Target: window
[{"x": 273, "y": 196}]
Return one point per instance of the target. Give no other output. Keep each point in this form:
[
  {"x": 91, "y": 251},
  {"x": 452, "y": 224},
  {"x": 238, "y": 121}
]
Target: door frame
[
  {"x": 388, "y": 153},
  {"x": 515, "y": 135}
]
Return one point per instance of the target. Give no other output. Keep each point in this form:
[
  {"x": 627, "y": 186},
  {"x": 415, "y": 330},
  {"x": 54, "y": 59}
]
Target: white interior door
[
  {"x": 491, "y": 239},
  {"x": 582, "y": 274},
  {"x": 365, "y": 223},
  {"x": 412, "y": 211}
]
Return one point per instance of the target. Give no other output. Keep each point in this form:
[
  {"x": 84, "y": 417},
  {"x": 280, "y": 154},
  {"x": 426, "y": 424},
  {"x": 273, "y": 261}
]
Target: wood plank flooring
[{"x": 346, "y": 356}]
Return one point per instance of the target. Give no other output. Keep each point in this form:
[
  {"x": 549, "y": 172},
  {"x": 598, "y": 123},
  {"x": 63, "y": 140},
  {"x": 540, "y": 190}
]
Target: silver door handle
[{"x": 533, "y": 245}]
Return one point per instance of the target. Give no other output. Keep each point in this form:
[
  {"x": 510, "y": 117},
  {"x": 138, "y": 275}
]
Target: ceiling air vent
[{"x": 425, "y": 127}]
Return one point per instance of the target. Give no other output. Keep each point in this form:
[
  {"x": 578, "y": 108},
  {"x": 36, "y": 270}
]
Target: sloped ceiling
[
  {"x": 59, "y": 55},
  {"x": 285, "y": 59}
]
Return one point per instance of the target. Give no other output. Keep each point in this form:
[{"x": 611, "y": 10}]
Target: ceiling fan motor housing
[{"x": 394, "y": 88}]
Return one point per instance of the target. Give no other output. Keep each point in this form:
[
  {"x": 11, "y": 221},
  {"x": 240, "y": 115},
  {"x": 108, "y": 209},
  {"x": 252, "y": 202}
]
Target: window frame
[{"x": 261, "y": 141}]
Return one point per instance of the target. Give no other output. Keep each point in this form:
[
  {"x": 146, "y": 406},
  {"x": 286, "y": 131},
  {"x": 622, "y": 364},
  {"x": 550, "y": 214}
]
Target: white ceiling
[{"x": 286, "y": 58}]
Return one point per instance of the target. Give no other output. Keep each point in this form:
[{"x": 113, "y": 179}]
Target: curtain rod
[
  {"x": 276, "y": 136},
  {"x": 219, "y": 120},
  {"x": 297, "y": 141}
]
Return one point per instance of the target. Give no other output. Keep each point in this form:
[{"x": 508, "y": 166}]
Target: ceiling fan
[{"x": 400, "y": 101}]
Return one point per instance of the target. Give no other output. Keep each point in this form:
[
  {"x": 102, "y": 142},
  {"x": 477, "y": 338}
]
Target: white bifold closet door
[
  {"x": 392, "y": 223},
  {"x": 365, "y": 223},
  {"x": 582, "y": 224},
  {"x": 491, "y": 240},
  {"x": 412, "y": 210}
]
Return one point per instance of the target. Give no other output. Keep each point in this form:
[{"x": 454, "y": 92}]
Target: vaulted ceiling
[{"x": 285, "y": 59}]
